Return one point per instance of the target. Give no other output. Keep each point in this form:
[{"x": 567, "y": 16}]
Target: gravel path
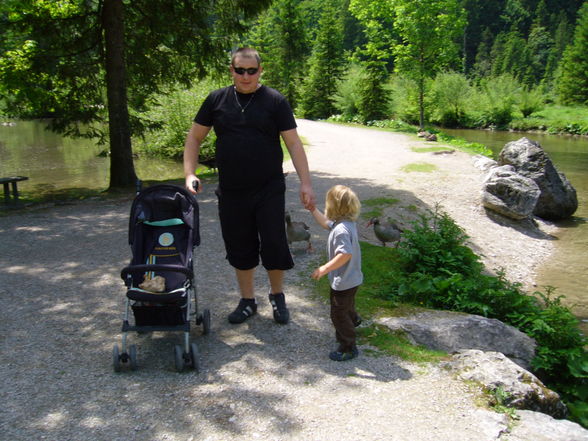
[{"x": 63, "y": 305}]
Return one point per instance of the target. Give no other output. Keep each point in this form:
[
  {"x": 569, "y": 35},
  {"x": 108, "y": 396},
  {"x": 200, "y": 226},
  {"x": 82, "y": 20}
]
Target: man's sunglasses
[{"x": 242, "y": 70}]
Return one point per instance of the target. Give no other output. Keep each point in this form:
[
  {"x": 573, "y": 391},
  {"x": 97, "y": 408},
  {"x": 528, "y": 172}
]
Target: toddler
[{"x": 342, "y": 208}]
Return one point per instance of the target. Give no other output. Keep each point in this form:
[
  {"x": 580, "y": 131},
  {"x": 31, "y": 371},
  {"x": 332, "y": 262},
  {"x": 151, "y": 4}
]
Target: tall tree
[
  {"x": 324, "y": 67},
  {"x": 70, "y": 60},
  {"x": 280, "y": 38},
  {"x": 374, "y": 57},
  {"x": 429, "y": 31},
  {"x": 572, "y": 83}
]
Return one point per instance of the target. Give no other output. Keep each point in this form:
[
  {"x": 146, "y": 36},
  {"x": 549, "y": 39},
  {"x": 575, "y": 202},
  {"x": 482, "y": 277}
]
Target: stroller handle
[{"x": 132, "y": 269}]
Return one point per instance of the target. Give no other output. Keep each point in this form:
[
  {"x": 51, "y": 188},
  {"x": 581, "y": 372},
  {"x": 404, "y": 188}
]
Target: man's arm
[
  {"x": 296, "y": 150},
  {"x": 194, "y": 139}
]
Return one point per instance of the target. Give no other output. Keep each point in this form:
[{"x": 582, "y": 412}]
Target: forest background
[{"x": 144, "y": 67}]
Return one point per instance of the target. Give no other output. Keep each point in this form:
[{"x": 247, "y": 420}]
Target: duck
[
  {"x": 386, "y": 232},
  {"x": 297, "y": 231}
]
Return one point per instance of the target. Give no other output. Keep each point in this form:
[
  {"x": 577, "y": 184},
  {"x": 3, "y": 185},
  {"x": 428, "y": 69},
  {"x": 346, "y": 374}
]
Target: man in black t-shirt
[{"x": 249, "y": 120}]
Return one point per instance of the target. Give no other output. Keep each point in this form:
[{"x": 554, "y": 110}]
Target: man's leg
[
  {"x": 276, "y": 296},
  {"x": 276, "y": 280},
  {"x": 247, "y": 305},
  {"x": 246, "y": 279}
]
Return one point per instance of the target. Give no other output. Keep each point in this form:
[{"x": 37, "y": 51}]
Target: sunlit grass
[{"x": 419, "y": 167}]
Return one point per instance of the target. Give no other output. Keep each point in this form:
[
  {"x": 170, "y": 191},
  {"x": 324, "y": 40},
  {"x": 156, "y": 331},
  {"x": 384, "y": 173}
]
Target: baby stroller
[{"x": 163, "y": 232}]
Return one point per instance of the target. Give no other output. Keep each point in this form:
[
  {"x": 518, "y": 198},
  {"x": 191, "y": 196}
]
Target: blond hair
[{"x": 341, "y": 203}]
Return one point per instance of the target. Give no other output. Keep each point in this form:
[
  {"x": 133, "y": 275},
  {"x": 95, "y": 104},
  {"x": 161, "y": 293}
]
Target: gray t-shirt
[{"x": 343, "y": 239}]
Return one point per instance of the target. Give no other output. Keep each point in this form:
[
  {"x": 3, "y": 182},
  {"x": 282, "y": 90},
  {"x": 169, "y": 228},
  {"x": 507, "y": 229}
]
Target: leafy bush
[
  {"x": 440, "y": 271},
  {"x": 495, "y": 101},
  {"x": 347, "y": 98},
  {"x": 530, "y": 101},
  {"x": 405, "y": 100},
  {"x": 451, "y": 92},
  {"x": 169, "y": 121}
]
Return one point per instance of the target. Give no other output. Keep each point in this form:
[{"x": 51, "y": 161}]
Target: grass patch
[
  {"x": 396, "y": 344},
  {"x": 376, "y": 206},
  {"x": 419, "y": 167},
  {"x": 430, "y": 149}
]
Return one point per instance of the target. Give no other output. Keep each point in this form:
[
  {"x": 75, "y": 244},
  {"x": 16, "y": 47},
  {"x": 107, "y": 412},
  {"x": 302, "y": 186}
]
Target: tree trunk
[{"x": 122, "y": 170}]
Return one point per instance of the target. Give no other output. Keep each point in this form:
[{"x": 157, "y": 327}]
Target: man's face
[{"x": 244, "y": 81}]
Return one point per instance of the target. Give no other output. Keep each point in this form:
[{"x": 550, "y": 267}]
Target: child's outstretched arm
[
  {"x": 336, "y": 262},
  {"x": 320, "y": 218}
]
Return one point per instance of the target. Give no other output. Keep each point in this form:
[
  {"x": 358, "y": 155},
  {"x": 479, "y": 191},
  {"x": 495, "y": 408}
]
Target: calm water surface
[
  {"x": 53, "y": 162},
  {"x": 567, "y": 270}
]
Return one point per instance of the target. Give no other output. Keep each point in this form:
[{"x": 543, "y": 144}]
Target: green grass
[
  {"x": 396, "y": 344},
  {"x": 430, "y": 149},
  {"x": 555, "y": 119},
  {"x": 419, "y": 167},
  {"x": 375, "y": 206}
]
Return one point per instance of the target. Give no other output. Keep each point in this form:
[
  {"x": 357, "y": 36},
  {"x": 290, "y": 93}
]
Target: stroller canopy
[{"x": 165, "y": 202}]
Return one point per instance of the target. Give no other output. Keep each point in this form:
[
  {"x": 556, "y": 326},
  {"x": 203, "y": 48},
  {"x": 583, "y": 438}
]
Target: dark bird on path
[
  {"x": 297, "y": 231},
  {"x": 386, "y": 232}
]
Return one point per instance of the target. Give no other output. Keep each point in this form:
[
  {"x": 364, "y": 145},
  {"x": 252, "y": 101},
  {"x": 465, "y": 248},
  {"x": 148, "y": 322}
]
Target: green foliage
[
  {"x": 405, "y": 99},
  {"x": 346, "y": 99},
  {"x": 373, "y": 103},
  {"x": 556, "y": 119},
  {"x": 280, "y": 38},
  {"x": 572, "y": 82},
  {"x": 440, "y": 271},
  {"x": 530, "y": 101},
  {"x": 169, "y": 120},
  {"x": 325, "y": 66},
  {"x": 495, "y": 101},
  {"x": 52, "y": 55},
  {"x": 451, "y": 92}
]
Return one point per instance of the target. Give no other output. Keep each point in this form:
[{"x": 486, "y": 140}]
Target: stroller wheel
[
  {"x": 195, "y": 357},
  {"x": 179, "y": 358},
  {"x": 206, "y": 322},
  {"x": 133, "y": 357},
  {"x": 115, "y": 359}
]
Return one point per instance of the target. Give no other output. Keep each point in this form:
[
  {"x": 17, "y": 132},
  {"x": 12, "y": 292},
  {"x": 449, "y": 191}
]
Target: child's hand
[{"x": 318, "y": 273}]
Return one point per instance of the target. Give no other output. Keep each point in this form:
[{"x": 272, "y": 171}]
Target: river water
[
  {"x": 53, "y": 162},
  {"x": 567, "y": 269}
]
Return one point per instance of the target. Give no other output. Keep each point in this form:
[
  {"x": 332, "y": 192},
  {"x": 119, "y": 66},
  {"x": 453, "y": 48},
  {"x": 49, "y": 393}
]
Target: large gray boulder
[
  {"x": 558, "y": 199},
  {"x": 520, "y": 389},
  {"x": 509, "y": 193},
  {"x": 452, "y": 331},
  {"x": 538, "y": 426}
]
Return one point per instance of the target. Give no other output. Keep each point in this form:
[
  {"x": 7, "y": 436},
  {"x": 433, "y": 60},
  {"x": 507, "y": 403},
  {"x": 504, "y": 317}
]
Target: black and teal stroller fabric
[{"x": 161, "y": 291}]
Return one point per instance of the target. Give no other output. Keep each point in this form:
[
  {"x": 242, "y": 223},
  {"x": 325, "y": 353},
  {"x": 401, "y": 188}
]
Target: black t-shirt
[{"x": 248, "y": 151}]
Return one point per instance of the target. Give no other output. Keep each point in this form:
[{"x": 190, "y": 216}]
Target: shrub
[
  {"x": 440, "y": 271},
  {"x": 451, "y": 92},
  {"x": 496, "y": 97},
  {"x": 169, "y": 121},
  {"x": 530, "y": 101}
]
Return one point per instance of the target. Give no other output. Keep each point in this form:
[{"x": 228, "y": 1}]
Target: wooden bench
[{"x": 11, "y": 180}]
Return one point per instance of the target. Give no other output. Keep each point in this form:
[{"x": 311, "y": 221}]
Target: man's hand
[
  {"x": 193, "y": 184},
  {"x": 307, "y": 197}
]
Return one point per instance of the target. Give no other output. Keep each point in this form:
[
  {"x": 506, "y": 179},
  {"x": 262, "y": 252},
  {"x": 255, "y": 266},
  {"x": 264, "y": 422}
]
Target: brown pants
[{"x": 344, "y": 317}]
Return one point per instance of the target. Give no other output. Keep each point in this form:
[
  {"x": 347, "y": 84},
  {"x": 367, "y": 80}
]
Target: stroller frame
[{"x": 176, "y": 303}]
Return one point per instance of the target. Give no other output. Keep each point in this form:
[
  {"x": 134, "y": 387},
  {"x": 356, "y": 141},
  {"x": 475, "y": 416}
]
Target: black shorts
[{"x": 253, "y": 225}]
